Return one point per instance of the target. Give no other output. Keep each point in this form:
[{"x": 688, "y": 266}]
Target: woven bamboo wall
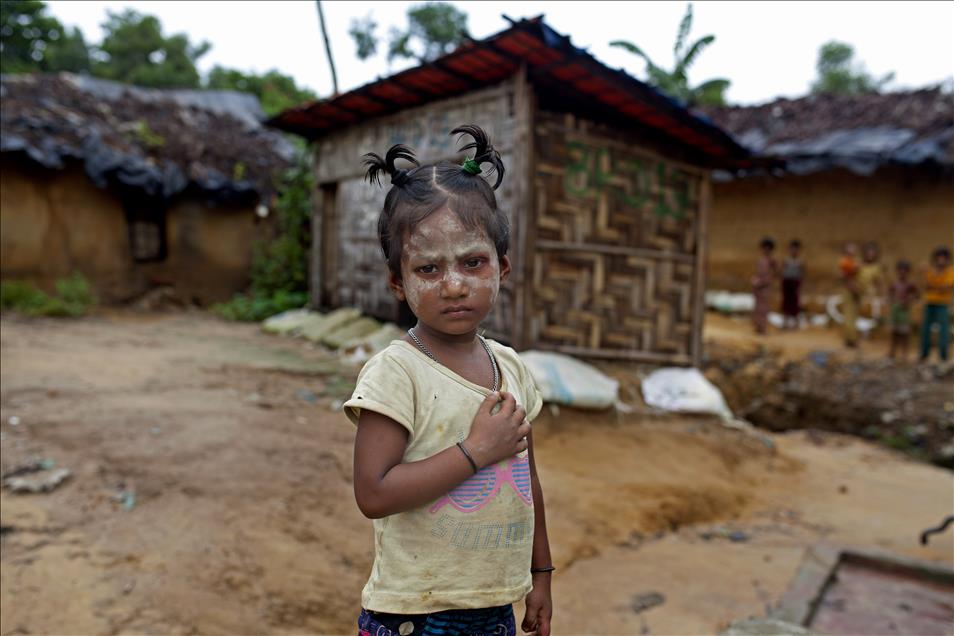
[
  {"x": 615, "y": 246},
  {"x": 348, "y": 267}
]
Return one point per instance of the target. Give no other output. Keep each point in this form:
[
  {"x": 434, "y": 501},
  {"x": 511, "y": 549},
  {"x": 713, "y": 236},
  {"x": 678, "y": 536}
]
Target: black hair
[
  {"x": 767, "y": 243},
  {"x": 941, "y": 251},
  {"x": 418, "y": 192},
  {"x": 795, "y": 243},
  {"x": 903, "y": 264}
]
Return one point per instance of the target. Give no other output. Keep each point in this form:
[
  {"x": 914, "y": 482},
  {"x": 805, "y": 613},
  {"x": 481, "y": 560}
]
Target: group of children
[{"x": 864, "y": 280}]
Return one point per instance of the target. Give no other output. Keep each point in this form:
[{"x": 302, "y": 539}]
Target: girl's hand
[
  {"x": 539, "y": 607},
  {"x": 497, "y": 436}
]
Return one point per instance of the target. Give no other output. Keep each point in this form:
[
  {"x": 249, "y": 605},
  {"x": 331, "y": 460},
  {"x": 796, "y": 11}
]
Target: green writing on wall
[{"x": 636, "y": 182}]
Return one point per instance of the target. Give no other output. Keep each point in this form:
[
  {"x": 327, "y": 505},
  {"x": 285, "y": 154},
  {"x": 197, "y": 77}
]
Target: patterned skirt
[{"x": 490, "y": 621}]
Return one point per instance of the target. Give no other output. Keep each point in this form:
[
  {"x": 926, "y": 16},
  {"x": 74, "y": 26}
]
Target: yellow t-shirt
[
  {"x": 943, "y": 278},
  {"x": 871, "y": 278},
  {"x": 470, "y": 548}
]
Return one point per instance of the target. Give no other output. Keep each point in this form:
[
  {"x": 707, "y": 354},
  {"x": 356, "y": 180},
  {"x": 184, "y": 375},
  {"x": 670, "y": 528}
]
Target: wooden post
[
  {"x": 524, "y": 104},
  {"x": 329, "y": 252},
  {"x": 702, "y": 254},
  {"x": 317, "y": 238}
]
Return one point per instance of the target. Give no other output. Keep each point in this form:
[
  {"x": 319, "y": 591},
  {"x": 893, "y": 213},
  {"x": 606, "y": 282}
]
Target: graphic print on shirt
[{"x": 473, "y": 494}]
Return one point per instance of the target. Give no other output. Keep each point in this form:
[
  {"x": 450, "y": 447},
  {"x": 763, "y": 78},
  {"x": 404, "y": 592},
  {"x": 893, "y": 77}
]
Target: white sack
[
  {"x": 685, "y": 391},
  {"x": 565, "y": 380}
]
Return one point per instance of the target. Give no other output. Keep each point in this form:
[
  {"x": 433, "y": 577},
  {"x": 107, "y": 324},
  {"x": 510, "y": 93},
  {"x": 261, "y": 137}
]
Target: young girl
[
  {"x": 792, "y": 272},
  {"x": 872, "y": 278},
  {"x": 848, "y": 268},
  {"x": 938, "y": 294},
  {"x": 766, "y": 270},
  {"x": 443, "y": 456},
  {"x": 902, "y": 295}
]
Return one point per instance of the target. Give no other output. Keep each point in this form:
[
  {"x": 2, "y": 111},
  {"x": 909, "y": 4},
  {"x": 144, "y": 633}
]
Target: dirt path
[
  {"x": 239, "y": 519},
  {"x": 797, "y": 343}
]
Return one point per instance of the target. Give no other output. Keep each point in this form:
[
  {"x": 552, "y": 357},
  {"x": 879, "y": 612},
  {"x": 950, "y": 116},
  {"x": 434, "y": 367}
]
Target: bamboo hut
[{"x": 607, "y": 191}]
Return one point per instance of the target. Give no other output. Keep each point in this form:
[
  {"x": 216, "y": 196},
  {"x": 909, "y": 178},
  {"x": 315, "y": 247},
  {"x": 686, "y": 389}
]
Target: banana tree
[{"x": 675, "y": 83}]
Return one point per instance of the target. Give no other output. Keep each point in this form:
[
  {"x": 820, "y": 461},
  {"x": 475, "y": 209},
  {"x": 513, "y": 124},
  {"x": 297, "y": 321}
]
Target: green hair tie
[{"x": 471, "y": 167}]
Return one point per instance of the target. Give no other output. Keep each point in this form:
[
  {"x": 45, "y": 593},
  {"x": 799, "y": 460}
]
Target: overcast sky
[{"x": 767, "y": 49}]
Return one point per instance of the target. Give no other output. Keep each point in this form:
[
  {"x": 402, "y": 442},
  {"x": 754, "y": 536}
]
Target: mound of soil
[{"x": 899, "y": 405}]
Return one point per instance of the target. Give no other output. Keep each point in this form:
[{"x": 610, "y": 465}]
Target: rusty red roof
[{"x": 552, "y": 61}]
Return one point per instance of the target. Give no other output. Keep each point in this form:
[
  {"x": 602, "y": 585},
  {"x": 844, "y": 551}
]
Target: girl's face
[{"x": 450, "y": 274}]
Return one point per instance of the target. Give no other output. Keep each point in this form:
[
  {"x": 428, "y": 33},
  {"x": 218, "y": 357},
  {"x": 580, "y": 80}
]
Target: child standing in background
[
  {"x": 848, "y": 271},
  {"x": 938, "y": 290},
  {"x": 443, "y": 456},
  {"x": 766, "y": 269},
  {"x": 792, "y": 273},
  {"x": 872, "y": 279},
  {"x": 901, "y": 295}
]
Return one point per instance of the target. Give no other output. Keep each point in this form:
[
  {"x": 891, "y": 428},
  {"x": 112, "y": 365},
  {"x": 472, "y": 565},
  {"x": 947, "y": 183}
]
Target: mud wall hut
[
  {"x": 607, "y": 190},
  {"x": 848, "y": 168},
  {"x": 133, "y": 187}
]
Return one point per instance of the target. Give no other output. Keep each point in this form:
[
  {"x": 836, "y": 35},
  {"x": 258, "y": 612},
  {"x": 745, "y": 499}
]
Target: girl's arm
[
  {"x": 539, "y": 601},
  {"x": 383, "y": 485}
]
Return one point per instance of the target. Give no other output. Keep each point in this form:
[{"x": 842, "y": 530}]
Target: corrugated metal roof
[{"x": 552, "y": 61}]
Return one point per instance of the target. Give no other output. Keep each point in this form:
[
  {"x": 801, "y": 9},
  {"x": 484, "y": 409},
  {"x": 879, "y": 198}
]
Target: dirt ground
[
  {"x": 807, "y": 379},
  {"x": 211, "y": 493}
]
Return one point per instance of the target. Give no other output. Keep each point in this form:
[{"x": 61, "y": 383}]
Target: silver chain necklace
[{"x": 427, "y": 352}]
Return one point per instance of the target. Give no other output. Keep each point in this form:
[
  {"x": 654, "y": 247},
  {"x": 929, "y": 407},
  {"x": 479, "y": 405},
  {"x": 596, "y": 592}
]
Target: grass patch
[
  {"x": 73, "y": 297},
  {"x": 248, "y": 308}
]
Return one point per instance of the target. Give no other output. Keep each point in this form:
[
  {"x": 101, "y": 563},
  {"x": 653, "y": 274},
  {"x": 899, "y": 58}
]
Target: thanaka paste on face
[{"x": 442, "y": 239}]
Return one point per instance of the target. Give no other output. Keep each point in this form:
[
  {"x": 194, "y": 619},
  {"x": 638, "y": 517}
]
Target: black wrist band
[
  {"x": 473, "y": 464},
  {"x": 548, "y": 568}
]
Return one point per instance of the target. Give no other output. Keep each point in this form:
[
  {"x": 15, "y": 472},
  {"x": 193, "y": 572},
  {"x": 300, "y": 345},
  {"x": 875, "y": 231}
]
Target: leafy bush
[
  {"x": 74, "y": 297},
  {"x": 21, "y": 296},
  {"x": 76, "y": 291},
  {"x": 280, "y": 265}
]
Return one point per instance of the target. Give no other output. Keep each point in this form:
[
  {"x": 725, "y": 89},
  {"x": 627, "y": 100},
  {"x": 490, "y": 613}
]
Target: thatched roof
[
  {"x": 858, "y": 132},
  {"x": 161, "y": 142}
]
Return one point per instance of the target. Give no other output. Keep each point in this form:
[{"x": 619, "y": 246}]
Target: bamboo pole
[
  {"x": 331, "y": 61},
  {"x": 699, "y": 297}
]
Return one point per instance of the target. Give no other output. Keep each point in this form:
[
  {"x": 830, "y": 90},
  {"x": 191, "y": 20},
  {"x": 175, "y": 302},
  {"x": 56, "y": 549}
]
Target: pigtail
[
  {"x": 377, "y": 165},
  {"x": 484, "y": 152}
]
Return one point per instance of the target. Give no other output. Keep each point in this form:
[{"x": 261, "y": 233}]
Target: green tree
[
  {"x": 434, "y": 29},
  {"x": 362, "y": 32},
  {"x": 837, "y": 72},
  {"x": 675, "y": 83},
  {"x": 134, "y": 50},
  {"x": 275, "y": 91},
  {"x": 281, "y": 265},
  {"x": 33, "y": 41}
]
